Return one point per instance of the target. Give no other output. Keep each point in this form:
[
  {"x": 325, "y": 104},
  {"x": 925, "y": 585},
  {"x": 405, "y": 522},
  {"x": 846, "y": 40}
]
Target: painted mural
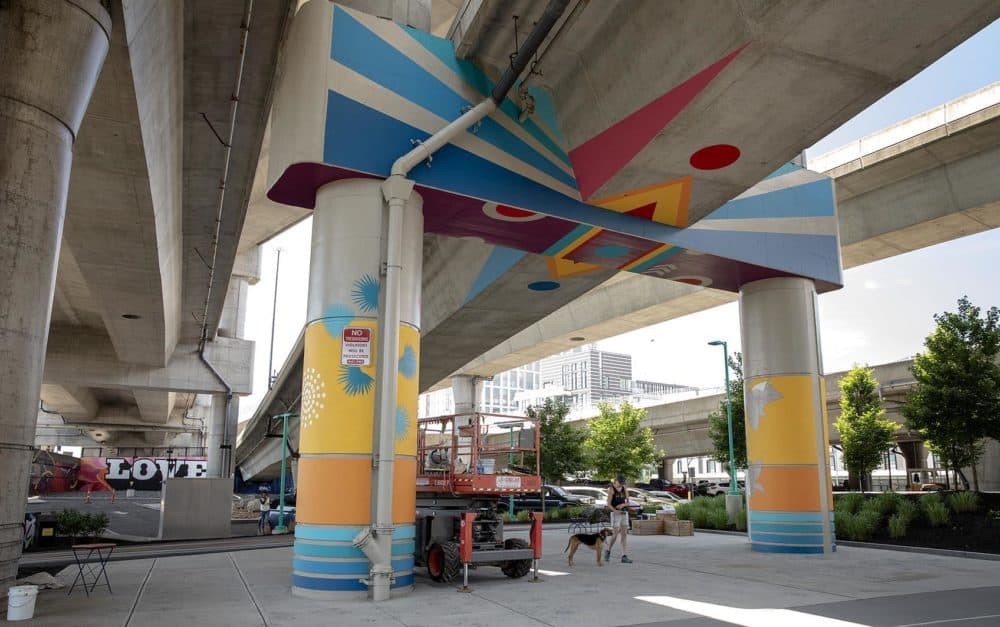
[
  {"x": 51, "y": 472},
  {"x": 516, "y": 184}
]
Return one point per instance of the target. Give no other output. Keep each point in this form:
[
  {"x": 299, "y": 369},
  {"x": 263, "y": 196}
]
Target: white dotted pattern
[{"x": 313, "y": 397}]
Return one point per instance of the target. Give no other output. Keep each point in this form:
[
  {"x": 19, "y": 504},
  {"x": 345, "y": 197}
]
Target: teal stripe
[
  {"x": 788, "y": 527},
  {"x": 788, "y": 517},
  {"x": 657, "y": 260},
  {"x": 567, "y": 239},
  {"x": 786, "y": 538},
  {"x": 352, "y": 567},
  {"x": 404, "y": 548},
  {"x": 342, "y": 533},
  {"x": 779, "y": 548}
]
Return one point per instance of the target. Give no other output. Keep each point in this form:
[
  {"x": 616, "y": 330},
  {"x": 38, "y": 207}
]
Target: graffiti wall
[{"x": 51, "y": 472}]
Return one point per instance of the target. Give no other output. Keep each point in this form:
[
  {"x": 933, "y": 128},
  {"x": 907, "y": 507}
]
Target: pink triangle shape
[{"x": 599, "y": 158}]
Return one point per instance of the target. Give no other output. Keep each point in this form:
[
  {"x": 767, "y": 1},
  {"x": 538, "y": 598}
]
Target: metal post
[
  {"x": 733, "y": 501},
  {"x": 281, "y": 528},
  {"x": 274, "y": 315}
]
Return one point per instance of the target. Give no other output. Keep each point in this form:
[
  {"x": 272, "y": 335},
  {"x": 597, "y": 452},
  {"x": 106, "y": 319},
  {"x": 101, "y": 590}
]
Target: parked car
[
  {"x": 599, "y": 496},
  {"x": 670, "y": 497},
  {"x": 646, "y": 497},
  {"x": 555, "y": 496},
  {"x": 722, "y": 487}
]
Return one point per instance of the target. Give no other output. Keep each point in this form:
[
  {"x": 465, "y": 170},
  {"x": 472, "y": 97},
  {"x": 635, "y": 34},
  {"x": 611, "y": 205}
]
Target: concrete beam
[
  {"x": 71, "y": 401},
  {"x": 86, "y": 359},
  {"x": 155, "y": 406}
]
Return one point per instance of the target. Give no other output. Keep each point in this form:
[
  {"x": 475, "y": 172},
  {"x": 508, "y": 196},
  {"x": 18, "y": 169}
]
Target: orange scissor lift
[{"x": 467, "y": 465}]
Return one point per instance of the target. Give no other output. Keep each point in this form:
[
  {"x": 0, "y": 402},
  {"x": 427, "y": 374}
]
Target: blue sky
[{"x": 882, "y": 314}]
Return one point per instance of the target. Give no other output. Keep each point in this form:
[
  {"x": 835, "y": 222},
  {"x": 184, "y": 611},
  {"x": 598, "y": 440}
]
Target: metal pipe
[
  {"x": 274, "y": 315},
  {"x": 228, "y": 150},
  {"x": 396, "y": 190},
  {"x": 523, "y": 57},
  {"x": 229, "y": 397}
]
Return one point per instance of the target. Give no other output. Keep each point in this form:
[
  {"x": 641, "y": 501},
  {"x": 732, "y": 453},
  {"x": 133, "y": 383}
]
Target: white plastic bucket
[
  {"x": 487, "y": 466},
  {"x": 21, "y": 602}
]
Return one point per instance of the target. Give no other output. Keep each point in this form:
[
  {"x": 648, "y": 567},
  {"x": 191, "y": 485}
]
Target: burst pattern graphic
[
  {"x": 408, "y": 362},
  {"x": 336, "y": 318},
  {"x": 402, "y": 423},
  {"x": 355, "y": 381},
  {"x": 365, "y": 293},
  {"x": 313, "y": 397}
]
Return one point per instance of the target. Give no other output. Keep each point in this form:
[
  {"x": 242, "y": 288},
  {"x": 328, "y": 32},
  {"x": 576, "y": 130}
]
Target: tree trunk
[{"x": 975, "y": 471}]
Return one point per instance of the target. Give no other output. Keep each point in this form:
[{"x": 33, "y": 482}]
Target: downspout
[
  {"x": 227, "y": 154},
  {"x": 396, "y": 190}
]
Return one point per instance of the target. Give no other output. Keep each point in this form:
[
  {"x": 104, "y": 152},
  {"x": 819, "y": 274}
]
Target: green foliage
[
  {"x": 956, "y": 401},
  {"x": 929, "y": 499},
  {"x": 897, "y": 526},
  {"x": 868, "y": 523},
  {"x": 849, "y": 503},
  {"x": 858, "y": 527},
  {"x": 907, "y": 510},
  {"x": 75, "y": 524},
  {"x": 963, "y": 502},
  {"x": 523, "y": 516},
  {"x": 936, "y": 513},
  {"x": 741, "y": 520},
  {"x": 843, "y": 523},
  {"x": 888, "y": 502},
  {"x": 700, "y": 517},
  {"x": 718, "y": 519},
  {"x": 718, "y": 422},
  {"x": 561, "y": 443},
  {"x": 617, "y": 443},
  {"x": 684, "y": 511},
  {"x": 865, "y": 434}
]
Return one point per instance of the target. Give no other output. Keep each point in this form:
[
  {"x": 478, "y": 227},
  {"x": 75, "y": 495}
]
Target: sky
[{"x": 882, "y": 314}]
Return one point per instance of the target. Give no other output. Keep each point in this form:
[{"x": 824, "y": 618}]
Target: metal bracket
[
  {"x": 474, "y": 129},
  {"x": 418, "y": 142}
]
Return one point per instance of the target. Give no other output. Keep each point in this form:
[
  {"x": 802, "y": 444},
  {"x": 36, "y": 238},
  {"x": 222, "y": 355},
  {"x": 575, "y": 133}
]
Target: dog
[{"x": 593, "y": 540}]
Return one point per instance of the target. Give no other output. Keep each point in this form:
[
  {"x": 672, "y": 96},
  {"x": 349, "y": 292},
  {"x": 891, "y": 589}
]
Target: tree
[
  {"x": 561, "y": 443},
  {"x": 865, "y": 434},
  {"x": 956, "y": 402},
  {"x": 718, "y": 422},
  {"x": 617, "y": 443}
]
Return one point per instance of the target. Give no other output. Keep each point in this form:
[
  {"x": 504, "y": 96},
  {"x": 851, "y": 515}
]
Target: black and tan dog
[{"x": 593, "y": 540}]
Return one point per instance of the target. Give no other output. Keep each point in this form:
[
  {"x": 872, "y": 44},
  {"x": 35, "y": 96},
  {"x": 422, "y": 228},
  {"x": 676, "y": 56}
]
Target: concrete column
[
  {"x": 216, "y": 438},
  {"x": 790, "y": 495},
  {"x": 52, "y": 53},
  {"x": 337, "y": 431},
  {"x": 988, "y": 468}
]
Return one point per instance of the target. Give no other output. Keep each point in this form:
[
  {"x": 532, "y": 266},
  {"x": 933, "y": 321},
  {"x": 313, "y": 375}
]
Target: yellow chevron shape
[{"x": 671, "y": 199}]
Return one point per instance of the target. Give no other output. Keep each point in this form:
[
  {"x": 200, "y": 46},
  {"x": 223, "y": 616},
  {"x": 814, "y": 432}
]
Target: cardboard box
[
  {"x": 647, "y": 527},
  {"x": 678, "y": 527}
]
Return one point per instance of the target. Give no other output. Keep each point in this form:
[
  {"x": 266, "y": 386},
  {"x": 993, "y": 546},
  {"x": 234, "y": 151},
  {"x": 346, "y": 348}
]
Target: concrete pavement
[{"x": 852, "y": 587}]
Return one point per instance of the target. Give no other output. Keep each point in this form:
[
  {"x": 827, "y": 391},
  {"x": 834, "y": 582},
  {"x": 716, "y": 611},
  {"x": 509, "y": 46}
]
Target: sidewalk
[{"x": 249, "y": 588}]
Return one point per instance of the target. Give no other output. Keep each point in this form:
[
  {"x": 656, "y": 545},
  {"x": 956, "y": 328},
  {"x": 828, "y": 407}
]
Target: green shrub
[
  {"x": 907, "y": 510},
  {"x": 71, "y": 523},
  {"x": 963, "y": 502},
  {"x": 858, "y": 527},
  {"x": 897, "y": 526},
  {"x": 843, "y": 524},
  {"x": 523, "y": 516},
  {"x": 873, "y": 506},
  {"x": 700, "y": 517},
  {"x": 95, "y": 524},
  {"x": 868, "y": 523},
  {"x": 929, "y": 498},
  {"x": 888, "y": 502},
  {"x": 506, "y": 517},
  {"x": 718, "y": 519},
  {"x": 683, "y": 511},
  {"x": 850, "y": 502},
  {"x": 650, "y": 509},
  {"x": 936, "y": 513},
  {"x": 741, "y": 520}
]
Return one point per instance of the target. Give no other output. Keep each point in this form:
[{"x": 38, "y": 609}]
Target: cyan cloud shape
[{"x": 408, "y": 362}]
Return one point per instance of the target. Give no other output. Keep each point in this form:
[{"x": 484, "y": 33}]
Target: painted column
[
  {"x": 788, "y": 481},
  {"x": 52, "y": 53},
  {"x": 335, "y": 476}
]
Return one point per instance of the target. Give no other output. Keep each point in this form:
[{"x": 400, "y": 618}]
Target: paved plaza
[{"x": 699, "y": 581}]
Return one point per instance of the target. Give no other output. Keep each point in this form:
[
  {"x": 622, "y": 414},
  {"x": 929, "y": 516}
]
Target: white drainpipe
[{"x": 396, "y": 190}]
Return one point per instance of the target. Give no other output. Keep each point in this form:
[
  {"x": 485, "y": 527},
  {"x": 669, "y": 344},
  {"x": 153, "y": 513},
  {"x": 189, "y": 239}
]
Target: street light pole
[
  {"x": 274, "y": 315},
  {"x": 281, "y": 528},
  {"x": 733, "y": 501}
]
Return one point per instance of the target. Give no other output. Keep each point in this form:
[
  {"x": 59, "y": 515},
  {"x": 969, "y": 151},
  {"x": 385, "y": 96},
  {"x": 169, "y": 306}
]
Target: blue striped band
[
  {"x": 788, "y": 527},
  {"x": 345, "y": 585},
  {"x": 787, "y": 538},
  {"x": 816, "y": 517},
  {"x": 346, "y": 533},
  {"x": 784, "y": 548},
  {"x": 345, "y": 567},
  {"x": 347, "y": 550}
]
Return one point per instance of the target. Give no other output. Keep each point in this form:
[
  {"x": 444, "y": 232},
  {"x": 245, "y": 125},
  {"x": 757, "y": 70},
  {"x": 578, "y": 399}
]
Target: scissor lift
[{"x": 466, "y": 464}]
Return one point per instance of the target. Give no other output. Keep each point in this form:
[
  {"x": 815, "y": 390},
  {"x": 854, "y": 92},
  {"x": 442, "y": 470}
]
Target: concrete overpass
[{"x": 893, "y": 195}]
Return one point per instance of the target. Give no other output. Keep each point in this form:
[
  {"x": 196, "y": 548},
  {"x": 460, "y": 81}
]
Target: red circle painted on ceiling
[
  {"x": 511, "y": 212},
  {"x": 690, "y": 280},
  {"x": 715, "y": 157}
]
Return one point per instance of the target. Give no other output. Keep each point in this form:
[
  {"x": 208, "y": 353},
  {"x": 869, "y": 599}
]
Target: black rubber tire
[
  {"x": 443, "y": 562},
  {"x": 515, "y": 569}
]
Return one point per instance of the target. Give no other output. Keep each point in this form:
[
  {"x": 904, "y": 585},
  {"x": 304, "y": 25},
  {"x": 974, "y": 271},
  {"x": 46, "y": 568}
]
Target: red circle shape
[
  {"x": 715, "y": 157},
  {"x": 691, "y": 281},
  {"x": 511, "y": 212}
]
